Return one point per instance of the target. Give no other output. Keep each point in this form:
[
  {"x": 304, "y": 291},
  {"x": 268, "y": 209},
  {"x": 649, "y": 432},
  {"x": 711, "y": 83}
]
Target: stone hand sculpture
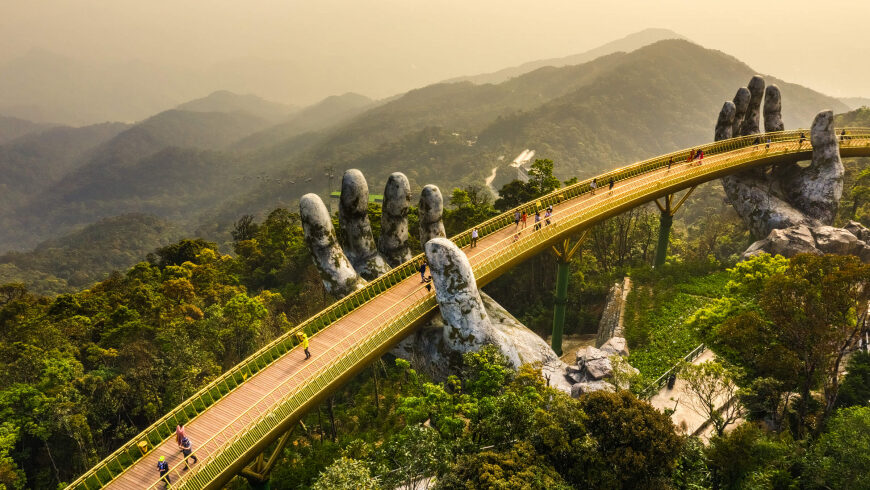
[
  {"x": 789, "y": 206},
  {"x": 469, "y": 319},
  {"x": 345, "y": 268},
  {"x": 788, "y": 195}
]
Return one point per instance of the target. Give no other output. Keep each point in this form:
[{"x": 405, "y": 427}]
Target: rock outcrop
[
  {"x": 611, "y": 321},
  {"x": 353, "y": 215},
  {"x": 817, "y": 240}
]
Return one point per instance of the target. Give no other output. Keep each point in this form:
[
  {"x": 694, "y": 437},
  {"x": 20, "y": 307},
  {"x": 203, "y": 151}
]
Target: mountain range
[{"x": 203, "y": 164}]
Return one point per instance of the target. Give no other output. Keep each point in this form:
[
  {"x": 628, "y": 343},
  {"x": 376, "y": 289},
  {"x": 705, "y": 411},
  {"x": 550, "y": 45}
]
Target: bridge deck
[{"x": 260, "y": 393}]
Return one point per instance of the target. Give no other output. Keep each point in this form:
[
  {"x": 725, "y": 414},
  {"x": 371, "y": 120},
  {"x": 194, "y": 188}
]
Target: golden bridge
[{"x": 236, "y": 417}]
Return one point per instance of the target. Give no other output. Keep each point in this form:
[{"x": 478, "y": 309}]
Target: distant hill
[
  {"x": 328, "y": 112},
  {"x": 226, "y": 101},
  {"x": 587, "y": 118},
  {"x": 34, "y": 162},
  {"x": 13, "y": 127},
  {"x": 855, "y": 102},
  {"x": 79, "y": 259},
  {"x": 627, "y": 44},
  {"x": 152, "y": 167}
]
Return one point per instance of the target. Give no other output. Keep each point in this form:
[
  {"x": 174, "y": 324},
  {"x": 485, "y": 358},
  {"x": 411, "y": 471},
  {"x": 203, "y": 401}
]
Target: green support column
[
  {"x": 668, "y": 209},
  {"x": 561, "y": 303},
  {"x": 665, "y": 221},
  {"x": 563, "y": 260}
]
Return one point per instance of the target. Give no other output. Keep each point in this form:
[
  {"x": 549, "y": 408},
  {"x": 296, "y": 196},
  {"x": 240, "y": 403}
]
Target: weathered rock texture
[
  {"x": 357, "y": 240},
  {"x": 431, "y": 209},
  {"x": 611, "y": 321},
  {"x": 773, "y": 110},
  {"x": 794, "y": 240},
  {"x": 788, "y": 197},
  {"x": 338, "y": 275},
  {"x": 393, "y": 242}
]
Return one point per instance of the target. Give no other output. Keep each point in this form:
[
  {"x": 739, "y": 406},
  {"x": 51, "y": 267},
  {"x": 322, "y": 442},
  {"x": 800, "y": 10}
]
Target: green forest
[{"x": 85, "y": 371}]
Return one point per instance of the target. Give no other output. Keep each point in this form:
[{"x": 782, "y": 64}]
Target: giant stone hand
[
  {"x": 346, "y": 268},
  {"x": 791, "y": 207},
  {"x": 788, "y": 195}
]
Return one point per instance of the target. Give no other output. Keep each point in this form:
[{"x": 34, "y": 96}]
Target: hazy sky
[{"x": 823, "y": 45}]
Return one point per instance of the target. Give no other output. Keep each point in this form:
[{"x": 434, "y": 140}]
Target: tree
[
  {"x": 855, "y": 389},
  {"x": 637, "y": 445},
  {"x": 714, "y": 389},
  {"x": 818, "y": 306},
  {"x": 541, "y": 181},
  {"x": 841, "y": 456},
  {"x": 518, "y": 467},
  {"x": 346, "y": 474}
]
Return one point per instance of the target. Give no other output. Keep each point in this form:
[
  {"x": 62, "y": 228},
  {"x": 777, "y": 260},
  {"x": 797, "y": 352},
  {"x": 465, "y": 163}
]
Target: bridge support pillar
[
  {"x": 563, "y": 254},
  {"x": 258, "y": 472},
  {"x": 666, "y": 220}
]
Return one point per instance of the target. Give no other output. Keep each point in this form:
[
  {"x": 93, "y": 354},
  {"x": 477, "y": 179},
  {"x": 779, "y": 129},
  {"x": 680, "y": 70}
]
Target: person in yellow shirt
[{"x": 304, "y": 340}]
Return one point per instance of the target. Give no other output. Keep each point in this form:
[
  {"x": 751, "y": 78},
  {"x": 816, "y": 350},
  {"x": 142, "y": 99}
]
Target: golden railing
[{"x": 720, "y": 158}]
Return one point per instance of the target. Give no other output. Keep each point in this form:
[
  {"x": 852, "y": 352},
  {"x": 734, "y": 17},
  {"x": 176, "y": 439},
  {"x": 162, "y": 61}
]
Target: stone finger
[
  {"x": 431, "y": 209},
  {"x": 741, "y": 104},
  {"x": 816, "y": 190},
  {"x": 773, "y": 109},
  {"x": 338, "y": 275},
  {"x": 725, "y": 121},
  {"x": 353, "y": 216},
  {"x": 753, "y": 111},
  {"x": 458, "y": 298},
  {"x": 393, "y": 242}
]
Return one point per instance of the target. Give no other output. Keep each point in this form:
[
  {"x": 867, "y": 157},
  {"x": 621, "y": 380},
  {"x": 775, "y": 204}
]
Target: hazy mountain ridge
[
  {"x": 226, "y": 101},
  {"x": 626, "y": 44},
  {"x": 32, "y": 163},
  {"x": 13, "y": 127},
  {"x": 328, "y": 112}
]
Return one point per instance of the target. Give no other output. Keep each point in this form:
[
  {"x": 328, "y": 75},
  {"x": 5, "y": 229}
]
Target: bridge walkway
[{"x": 247, "y": 412}]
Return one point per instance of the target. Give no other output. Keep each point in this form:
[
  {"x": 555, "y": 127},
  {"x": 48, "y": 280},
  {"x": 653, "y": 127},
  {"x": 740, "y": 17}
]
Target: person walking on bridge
[
  {"x": 516, "y": 220},
  {"x": 186, "y": 448},
  {"x": 163, "y": 468},
  {"x": 670, "y": 162},
  {"x": 523, "y": 218},
  {"x": 474, "y": 237},
  {"x": 537, "y": 220},
  {"x": 303, "y": 339},
  {"x": 592, "y": 186},
  {"x": 801, "y": 141},
  {"x": 422, "y": 270},
  {"x": 611, "y": 182}
]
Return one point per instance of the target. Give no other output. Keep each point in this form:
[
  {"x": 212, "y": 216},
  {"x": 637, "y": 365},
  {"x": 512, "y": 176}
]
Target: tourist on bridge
[
  {"x": 611, "y": 182},
  {"x": 422, "y": 270},
  {"x": 801, "y": 141},
  {"x": 592, "y": 186},
  {"x": 700, "y": 156},
  {"x": 186, "y": 448},
  {"x": 517, "y": 217},
  {"x": 843, "y": 136},
  {"x": 303, "y": 339},
  {"x": 474, "y": 237},
  {"x": 523, "y": 218},
  {"x": 691, "y": 156},
  {"x": 670, "y": 162},
  {"x": 547, "y": 215},
  {"x": 163, "y": 468},
  {"x": 537, "y": 220}
]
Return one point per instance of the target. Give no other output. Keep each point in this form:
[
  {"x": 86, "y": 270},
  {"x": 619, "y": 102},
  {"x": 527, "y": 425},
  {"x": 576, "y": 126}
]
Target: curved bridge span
[{"x": 237, "y": 416}]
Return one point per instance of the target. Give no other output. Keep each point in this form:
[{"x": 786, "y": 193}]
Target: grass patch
[{"x": 656, "y": 313}]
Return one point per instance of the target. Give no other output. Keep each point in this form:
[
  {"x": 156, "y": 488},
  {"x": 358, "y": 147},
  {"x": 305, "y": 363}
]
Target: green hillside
[
  {"x": 32, "y": 163},
  {"x": 79, "y": 259}
]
